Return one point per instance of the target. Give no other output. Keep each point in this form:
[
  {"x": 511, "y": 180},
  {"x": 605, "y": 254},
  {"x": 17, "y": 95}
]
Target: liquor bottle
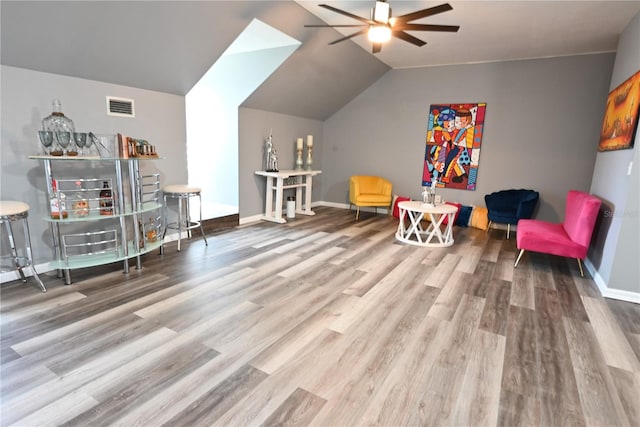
[
  {"x": 57, "y": 122},
  {"x": 80, "y": 205},
  {"x": 57, "y": 202},
  {"x": 152, "y": 231},
  {"x": 141, "y": 231},
  {"x": 106, "y": 199}
]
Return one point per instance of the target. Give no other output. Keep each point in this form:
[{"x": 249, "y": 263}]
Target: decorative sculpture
[
  {"x": 429, "y": 194},
  {"x": 271, "y": 157},
  {"x": 425, "y": 195}
]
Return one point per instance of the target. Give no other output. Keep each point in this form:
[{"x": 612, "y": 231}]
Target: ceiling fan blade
[
  {"x": 423, "y": 13},
  {"x": 377, "y": 47},
  {"x": 408, "y": 38},
  {"x": 350, "y": 15},
  {"x": 350, "y": 35},
  {"x": 335, "y": 26},
  {"x": 426, "y": 27}
]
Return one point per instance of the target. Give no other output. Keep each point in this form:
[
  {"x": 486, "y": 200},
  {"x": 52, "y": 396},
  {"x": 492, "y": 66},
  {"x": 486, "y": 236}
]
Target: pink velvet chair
[{"x": 570, "y": 238}]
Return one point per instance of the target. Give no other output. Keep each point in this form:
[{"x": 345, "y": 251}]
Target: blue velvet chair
[{"x": 509, "y": 206}]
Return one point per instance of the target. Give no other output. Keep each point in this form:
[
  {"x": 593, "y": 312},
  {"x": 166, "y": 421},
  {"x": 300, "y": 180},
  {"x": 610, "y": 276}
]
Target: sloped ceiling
[
  {"x": 167, "y": 46},
  {"x": 493, "y": 30}
]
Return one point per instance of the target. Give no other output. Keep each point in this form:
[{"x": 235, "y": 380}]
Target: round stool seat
[
  {"x": 180, "y": 189},
  {"x": 11, "y": 207}
]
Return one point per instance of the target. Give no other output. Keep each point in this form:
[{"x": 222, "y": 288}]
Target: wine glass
[
  {"x": 64, "y": 139},
  {"x": 80, "y": 139},
  {"x": 88, "y": 143},
  {"x": 46, "y": 138}
]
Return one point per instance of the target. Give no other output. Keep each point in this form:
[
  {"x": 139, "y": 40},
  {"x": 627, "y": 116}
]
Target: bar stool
[
  {"x": 183, "y": 193},
  {"x": 12, "y": 211}
]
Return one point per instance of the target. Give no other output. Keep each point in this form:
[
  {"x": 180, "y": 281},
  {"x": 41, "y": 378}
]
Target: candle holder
[
  {"x": 309, "y": 158},
  {"x": 299, "y": 160}
]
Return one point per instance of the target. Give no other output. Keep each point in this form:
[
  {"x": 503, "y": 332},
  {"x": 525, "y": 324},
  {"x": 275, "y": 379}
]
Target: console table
[
  {"x": 433, "y": 235},
  {"x": 303, "y": 180}
]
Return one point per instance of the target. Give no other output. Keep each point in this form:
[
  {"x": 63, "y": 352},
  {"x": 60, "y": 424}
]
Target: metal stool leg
[
  {"x": 164, "y": 220},
  {"x": 179, "y": 221},
  {"x": 27, "y": 240},
  {"x": 201, "y": 228},
  {"x": 14, "y": 251},
  {"x": 188, "y": 220},
  {"x": 26, "y": 260}
]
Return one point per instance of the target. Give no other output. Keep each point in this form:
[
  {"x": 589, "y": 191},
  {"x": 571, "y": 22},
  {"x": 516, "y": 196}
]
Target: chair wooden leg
[
  {"x": 580, "y": 267},
  {"x": 518, "y": 259},
  {"x": 489, "y": 226},
  {"x": 508, "y": 230},
  {"x": 357, "y": 212}
]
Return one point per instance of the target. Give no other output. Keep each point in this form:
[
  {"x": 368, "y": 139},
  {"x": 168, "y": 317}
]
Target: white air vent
[{"x": 120, "y": 107}]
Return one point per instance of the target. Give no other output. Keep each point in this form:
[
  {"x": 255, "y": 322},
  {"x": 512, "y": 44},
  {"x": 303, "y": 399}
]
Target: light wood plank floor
[{"x": 323, "y": 321}]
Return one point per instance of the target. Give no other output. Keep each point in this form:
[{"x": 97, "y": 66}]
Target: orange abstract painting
[{"x": 621, "y": 116}]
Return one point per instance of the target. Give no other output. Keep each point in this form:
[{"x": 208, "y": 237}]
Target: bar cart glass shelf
[{"x": 88, "y": 237}]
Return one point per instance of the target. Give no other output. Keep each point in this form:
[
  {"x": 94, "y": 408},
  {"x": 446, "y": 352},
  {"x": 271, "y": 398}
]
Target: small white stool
[
  {"x": 12, "y": 211},
  {"x": 182, "y": 193}
]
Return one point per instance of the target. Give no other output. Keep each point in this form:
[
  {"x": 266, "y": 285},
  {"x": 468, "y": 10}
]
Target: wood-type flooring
[{"x": 323, "y": 321}]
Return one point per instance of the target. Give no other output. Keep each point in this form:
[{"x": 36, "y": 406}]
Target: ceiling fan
[{"x": 382, "y": 26}]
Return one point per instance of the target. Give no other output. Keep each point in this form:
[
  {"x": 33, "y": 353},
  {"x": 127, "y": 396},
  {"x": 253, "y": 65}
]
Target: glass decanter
[{"x": 57, "y": 122}]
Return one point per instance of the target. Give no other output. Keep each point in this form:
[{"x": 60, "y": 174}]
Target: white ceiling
[
  {"x": 492, "y": 30},
  {"x": 167, "y": 46}
]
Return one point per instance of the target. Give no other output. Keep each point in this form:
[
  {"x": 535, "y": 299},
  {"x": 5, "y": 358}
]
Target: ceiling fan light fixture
[
  {"x": 382, "y": 26},
  {"x": 379, "y": 33},
  {"x": 381, "y": 12}
]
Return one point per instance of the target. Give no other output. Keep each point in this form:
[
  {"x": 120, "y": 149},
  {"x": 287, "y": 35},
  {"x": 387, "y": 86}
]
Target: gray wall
[
  {"x": 543, "y": 118},
  {"x": 167, "y": 46},
  {"x": 26, "y": 99},
  {"x": 254, "y": 126},
  {"x": 616, "y": 251},
  {"x": 541, "y": 128}
]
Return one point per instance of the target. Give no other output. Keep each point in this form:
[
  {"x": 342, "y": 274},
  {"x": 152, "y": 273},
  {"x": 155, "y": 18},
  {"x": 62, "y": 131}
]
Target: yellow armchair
[{"x": 369, "y": 191}]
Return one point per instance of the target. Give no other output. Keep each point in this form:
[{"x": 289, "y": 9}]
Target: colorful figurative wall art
[
  {"x": 454, "y": 136},
  {"x": 621, "y": 116}
]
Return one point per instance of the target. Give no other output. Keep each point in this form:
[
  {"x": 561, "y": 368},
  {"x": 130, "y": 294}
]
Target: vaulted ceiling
[
  {"x": 493, "y": 30},
  {"x": 168, "y": 45}
]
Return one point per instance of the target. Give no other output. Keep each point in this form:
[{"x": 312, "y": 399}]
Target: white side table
[
  {"x": 434, "y": 235},
  {"x": 304, "y": 180}
]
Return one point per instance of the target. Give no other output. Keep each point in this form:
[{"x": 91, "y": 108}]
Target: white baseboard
[
  {"x": 250, "y": 219},
  {"x": 333, "y": 205},
  {"x": 256, "y": 218},
  {"x": 497, "y": 226},
  {"x": 172, "y": 237},
  {"x": 607, "y": 292},
  {"x": 10, "y": 276},
  {"x": 346, "y": 206}
]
